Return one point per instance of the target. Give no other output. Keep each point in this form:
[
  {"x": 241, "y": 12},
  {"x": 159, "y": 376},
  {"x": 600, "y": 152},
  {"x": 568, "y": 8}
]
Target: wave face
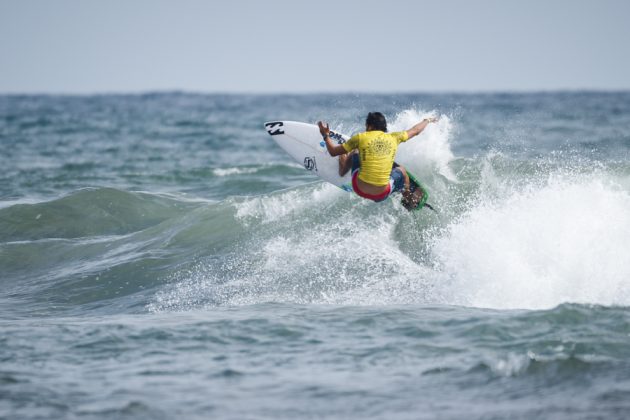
[
  {"x": 129, "y": 224},
  {"x": 181, "y": 205}
]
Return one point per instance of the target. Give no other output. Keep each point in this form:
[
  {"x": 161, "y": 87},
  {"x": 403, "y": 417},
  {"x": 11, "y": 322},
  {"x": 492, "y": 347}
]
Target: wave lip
[{"x": 86, "y": 213}]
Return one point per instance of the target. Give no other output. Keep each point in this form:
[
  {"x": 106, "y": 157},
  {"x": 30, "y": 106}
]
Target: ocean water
[{"x": 161, "y": 257}]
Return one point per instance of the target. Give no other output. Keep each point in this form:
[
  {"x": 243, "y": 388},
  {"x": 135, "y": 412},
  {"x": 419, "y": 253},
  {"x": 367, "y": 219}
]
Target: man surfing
[{"x": 370, "y": 155}]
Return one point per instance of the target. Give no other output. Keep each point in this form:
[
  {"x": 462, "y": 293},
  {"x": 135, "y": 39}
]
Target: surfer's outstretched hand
[{"x": 323, "y": 129}]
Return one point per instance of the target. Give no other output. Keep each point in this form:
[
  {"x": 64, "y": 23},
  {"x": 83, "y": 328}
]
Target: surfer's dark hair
[{"x": 377, "y": 121}]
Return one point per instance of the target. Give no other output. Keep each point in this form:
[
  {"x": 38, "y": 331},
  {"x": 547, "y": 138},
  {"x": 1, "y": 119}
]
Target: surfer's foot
[{"x": 412, "y": 198}]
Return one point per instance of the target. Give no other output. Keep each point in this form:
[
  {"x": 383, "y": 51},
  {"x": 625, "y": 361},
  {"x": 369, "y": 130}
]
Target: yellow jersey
[{"x": 376, "y": 151}]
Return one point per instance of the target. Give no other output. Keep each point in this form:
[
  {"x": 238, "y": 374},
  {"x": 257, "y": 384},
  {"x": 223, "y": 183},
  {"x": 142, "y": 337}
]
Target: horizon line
[{"x": 315, "y": 92}]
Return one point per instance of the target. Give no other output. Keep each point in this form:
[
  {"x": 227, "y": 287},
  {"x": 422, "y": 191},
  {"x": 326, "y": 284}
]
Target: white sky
[{"x": 279, "y": 46}]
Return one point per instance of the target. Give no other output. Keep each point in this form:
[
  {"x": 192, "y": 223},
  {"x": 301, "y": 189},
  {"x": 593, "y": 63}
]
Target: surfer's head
[{"x": 376, "y": 121}]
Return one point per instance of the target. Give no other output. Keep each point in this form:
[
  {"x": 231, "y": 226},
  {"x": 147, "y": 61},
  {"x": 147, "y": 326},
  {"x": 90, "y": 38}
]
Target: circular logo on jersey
[{"x": 380, "y": 146}]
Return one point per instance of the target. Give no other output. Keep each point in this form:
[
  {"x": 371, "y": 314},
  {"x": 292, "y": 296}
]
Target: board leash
[{"x": 430, "y": 207}]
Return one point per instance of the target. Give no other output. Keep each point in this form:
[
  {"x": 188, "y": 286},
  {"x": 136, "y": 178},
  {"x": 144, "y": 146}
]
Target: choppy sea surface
[{"x": 161, "y": 257}]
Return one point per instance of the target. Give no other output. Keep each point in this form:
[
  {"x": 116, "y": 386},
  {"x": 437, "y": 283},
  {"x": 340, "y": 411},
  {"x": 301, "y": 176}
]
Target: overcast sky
[{"x": 278, "y": 46}]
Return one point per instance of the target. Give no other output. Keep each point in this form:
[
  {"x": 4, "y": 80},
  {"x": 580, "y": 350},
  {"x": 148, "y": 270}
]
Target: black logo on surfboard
[
  {"x": 310, "y": 164},
  {"x": 337, "y": 136},
  {"x": 273, "y": 128}
]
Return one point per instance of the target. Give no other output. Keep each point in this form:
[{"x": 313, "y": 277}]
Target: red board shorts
[{"x": 396, "y": 182}]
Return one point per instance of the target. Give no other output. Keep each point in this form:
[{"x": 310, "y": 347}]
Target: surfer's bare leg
[
  {"x": 404, "y": 172},
  {"x": 345, "y": 163},
  {"x": 410, "y": 197}
]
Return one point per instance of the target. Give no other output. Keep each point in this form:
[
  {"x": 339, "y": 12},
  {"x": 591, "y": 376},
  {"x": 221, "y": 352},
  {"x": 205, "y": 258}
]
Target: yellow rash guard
[{"x": 377, "y": 151}]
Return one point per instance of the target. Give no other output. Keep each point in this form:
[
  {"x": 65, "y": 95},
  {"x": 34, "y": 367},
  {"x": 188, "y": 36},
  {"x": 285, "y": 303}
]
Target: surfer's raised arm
[
  {"x": 418, "y": 128},
  {"x": 333, "y": 149}
]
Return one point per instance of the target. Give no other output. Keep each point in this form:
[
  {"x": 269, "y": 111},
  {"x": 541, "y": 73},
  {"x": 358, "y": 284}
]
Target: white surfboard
[{"x": 305, "y": 144}]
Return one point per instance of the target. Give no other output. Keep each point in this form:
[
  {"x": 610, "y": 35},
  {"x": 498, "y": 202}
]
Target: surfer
[{"x": 370, "y": 155}]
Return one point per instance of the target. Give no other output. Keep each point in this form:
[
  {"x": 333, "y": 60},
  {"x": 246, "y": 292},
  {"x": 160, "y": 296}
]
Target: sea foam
[{"x": 538, "y": 248}]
